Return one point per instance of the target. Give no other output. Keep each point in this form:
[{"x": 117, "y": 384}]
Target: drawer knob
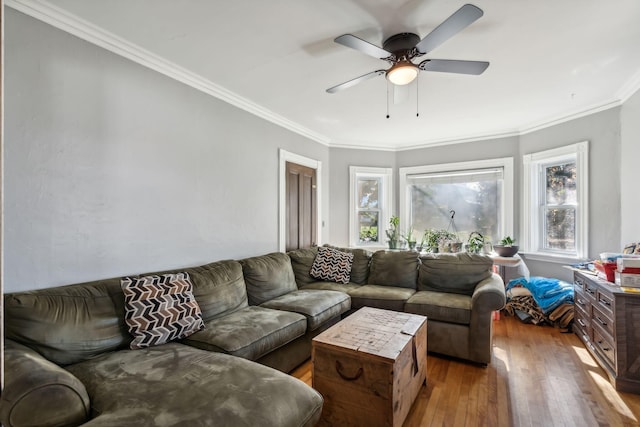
[
  {"x": 584, "y": 325},
  {"x": 601, "y": 346},
  {"x": 602, "y": 322},
  {"x": 345, "y": 377}
]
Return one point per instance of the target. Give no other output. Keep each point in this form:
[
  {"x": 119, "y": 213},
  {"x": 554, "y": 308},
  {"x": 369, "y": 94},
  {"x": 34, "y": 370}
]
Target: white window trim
[
  {"x": 386, "y": 203},
  {"x": 530, "y": 199},
  {"x": 506, "y": 163},
  {"x": 286, "y": 156}
]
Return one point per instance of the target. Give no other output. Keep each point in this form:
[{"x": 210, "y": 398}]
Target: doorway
[
  {"x": 300, "y": 222},
  {"x": 301, "y": 207}
]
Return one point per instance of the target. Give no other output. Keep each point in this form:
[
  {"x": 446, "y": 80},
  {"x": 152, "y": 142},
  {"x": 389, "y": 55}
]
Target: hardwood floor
[{"x": 538, "y": 376}]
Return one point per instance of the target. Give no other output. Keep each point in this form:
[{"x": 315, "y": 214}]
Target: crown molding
[
  {"x": 65, "y": 21},
  {"x": 630, "y": 88},
  {"x": 533, "y": 127}
]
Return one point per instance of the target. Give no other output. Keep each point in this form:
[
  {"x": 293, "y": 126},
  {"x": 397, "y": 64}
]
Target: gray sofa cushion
[
  {"x": 394, "y": 268},
  {"x": 174, "y": 384},
  {"x": 249, "y": 333},
  {"x": 386, "y": 297},
  {"x": 218, "y": 287},
  {"x": 332, "y": 286},
  {"x": 268, "y": 276},
  {"x": 360, "y": 266},
  {"x": 456, "y": 273},
  {"x": 38, "y": 392},
  {"x": 302, "y": 260},
  {"x": 441, "y": 306},
  {"x": 318, "y": 306},
  {"x": 68, "y": 324}
]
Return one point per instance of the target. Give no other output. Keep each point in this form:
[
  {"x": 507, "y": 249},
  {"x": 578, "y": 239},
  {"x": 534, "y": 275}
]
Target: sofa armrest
[
  {"x": 31, "y": 381},
  {"x": 489, "y": 295}
]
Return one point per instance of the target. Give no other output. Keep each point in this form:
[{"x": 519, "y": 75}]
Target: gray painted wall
[
  {"x": 113, "y": 169},
  {"x": 602, "y": 130},
  {"x": 339, "y": 161},
  {"x": 629, "y": 174}
]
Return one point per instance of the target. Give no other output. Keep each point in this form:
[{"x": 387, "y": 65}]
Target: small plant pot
[{"x": 505, "y": 251}]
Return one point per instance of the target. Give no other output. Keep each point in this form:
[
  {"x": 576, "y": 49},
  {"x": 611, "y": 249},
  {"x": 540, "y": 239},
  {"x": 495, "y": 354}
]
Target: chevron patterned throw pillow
[
  {"x": 333, "y": 265},
  {"x": 160, "y": 308}
]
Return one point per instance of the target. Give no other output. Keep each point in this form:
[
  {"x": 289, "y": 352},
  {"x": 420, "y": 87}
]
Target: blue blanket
[{"x": 548, "y": 293}]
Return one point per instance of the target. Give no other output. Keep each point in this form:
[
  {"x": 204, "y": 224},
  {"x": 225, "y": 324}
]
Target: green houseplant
[
  {"x": 506, "y": 247},
  {"x": 410, "y": 238},
  {"x": 476, "y": 242},
  {"x": 393, "y": 233}
]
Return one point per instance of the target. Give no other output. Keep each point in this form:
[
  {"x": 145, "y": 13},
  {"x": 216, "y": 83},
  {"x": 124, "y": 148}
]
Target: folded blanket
[{"x": 548, "y": 293}]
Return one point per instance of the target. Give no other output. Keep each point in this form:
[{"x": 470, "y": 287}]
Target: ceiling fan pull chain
[
  {"x": 417, "y": 97},
  {"x": 387, "y": 100}
]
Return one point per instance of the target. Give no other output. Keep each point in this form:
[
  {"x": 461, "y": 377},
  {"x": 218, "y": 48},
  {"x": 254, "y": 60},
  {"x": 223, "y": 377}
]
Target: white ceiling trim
[{"x": 59, "y": 18}]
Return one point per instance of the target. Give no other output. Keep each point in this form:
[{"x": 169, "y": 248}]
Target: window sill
[{"x": 554, "y": 258}]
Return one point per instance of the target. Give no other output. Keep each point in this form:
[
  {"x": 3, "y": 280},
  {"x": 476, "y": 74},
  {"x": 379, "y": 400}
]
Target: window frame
[
  {"x": 506, "y": 163},
  {"x": 533, "y": 202},
  {"x": 385, "y": 202}
]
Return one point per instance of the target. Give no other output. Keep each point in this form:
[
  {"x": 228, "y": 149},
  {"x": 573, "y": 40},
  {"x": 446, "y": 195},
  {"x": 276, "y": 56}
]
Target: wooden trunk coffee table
[{"x": 369, "y": 367}]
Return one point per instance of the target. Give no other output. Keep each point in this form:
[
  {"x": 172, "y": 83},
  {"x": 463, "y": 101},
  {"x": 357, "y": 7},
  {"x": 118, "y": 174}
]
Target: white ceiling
[{"x": 550, "y": 60}]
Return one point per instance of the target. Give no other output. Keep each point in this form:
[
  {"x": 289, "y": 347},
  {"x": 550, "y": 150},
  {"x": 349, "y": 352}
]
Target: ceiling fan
[{"x": 400, "y": 49}]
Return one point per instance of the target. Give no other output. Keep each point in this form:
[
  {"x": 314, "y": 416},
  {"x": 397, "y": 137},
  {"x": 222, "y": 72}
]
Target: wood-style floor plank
[{"x": 538, "y": 376}]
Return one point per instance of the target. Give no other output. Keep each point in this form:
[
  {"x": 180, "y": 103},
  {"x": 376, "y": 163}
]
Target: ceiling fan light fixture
[{"x": 402, "y": 73}]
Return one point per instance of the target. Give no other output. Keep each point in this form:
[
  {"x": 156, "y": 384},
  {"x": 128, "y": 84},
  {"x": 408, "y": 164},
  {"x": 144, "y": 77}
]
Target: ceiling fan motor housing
[{"x": 401, "y": 45}]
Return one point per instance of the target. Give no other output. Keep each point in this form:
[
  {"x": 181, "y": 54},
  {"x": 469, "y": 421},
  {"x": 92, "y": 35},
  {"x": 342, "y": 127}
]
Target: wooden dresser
[{"x": 607, "y": 320}]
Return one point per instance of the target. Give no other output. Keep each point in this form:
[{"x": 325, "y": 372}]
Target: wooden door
[{"x": 301, "y": 207}]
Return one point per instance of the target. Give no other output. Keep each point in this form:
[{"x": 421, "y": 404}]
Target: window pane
[
  {"x": 476, "y": 205},
  {"x": 368, "y": 193},
  {"x": 368, "y": 226},
  {"x": 560, "y": 229},
  {"x": 561, "y": 184}
]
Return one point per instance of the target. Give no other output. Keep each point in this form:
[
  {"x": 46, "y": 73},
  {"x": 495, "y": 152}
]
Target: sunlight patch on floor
[
  {"x": 612, "y": 396},
  {"x": 584, "y": 356},
  {"x": 501, "y": 354}
]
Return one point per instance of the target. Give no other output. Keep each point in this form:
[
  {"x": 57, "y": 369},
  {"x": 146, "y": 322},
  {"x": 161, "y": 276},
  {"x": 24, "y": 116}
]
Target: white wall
[
  {"x": 113, "y": 169},
  {"x": 629, "y": 174},
  {"x": 602, "y": 130}
]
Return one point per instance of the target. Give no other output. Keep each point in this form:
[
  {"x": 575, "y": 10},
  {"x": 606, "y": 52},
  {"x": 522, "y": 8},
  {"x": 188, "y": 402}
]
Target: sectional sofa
[{"x": 69, "y": 359}]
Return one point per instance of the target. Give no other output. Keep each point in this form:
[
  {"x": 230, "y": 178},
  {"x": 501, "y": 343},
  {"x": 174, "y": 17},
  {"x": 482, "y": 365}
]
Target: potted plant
[
  {"x": 476, "y": 243},
  {"x": 506, "y": 247},
  {"x": 430, "y": 240},
  {"x": 393, "y": 233},
  {"x": 410, "y": 238},
  {"x": 448, "y": 241}
]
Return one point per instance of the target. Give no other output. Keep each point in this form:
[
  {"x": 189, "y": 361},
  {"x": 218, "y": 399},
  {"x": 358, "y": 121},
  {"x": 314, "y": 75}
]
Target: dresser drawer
[
  {"x": 602, "y": 320},
  {"x": 604, "y": 302},
  {"x": 581, "y": 301},
  {"x": 604, "y": 347},
  {"x": 590, "y": 290},
  {"x": 582, "y": 326}
]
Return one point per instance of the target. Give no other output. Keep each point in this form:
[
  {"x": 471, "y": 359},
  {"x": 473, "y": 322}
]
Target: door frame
[{"x": 287, "y": 156}]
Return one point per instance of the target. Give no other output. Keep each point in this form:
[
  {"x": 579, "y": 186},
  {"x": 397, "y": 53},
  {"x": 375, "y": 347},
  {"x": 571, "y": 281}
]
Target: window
[
  {"x": 555, "y": 202},
  {"x": 370, "y": 211},
  {"x": 479, "y": 192}
]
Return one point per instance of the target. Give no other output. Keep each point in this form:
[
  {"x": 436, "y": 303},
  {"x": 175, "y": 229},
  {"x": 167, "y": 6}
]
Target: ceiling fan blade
[
  {"x": 355, "y": 81},
  {"x": 349, "y": 40},
  {"x": 461, "y": 19},
  {"x": 454, "y": 66}
]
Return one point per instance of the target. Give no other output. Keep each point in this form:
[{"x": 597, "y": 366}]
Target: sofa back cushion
[
  {"x": 360, "y": 264},
  {"x": 73, "y": 323},
  {"x": 301, "y": 262},
  {"x": 268, "y": 276},
  {"x": 454, "y": 273},
  {"x": 68, "y": 324},
  {"x": 394, "y": 268},
  {"x": 218, "y": 287}
]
